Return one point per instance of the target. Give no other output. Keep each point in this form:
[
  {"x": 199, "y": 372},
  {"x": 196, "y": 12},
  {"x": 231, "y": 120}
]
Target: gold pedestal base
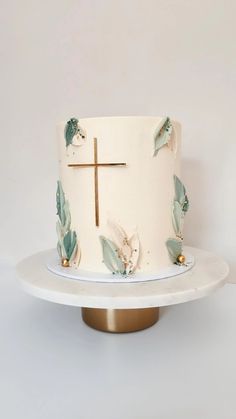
[{"x": 120, "y": 320}]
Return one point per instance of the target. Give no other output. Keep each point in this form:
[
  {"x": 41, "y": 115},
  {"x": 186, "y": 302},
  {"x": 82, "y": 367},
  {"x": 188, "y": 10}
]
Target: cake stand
[{"x": 123, "y": 307}]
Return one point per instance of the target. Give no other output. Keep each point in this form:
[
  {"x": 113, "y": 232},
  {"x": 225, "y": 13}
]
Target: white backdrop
[{"x": 64, "y": 58}]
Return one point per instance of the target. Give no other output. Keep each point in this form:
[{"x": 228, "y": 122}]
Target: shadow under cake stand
[{"x": 123, "y": 307}]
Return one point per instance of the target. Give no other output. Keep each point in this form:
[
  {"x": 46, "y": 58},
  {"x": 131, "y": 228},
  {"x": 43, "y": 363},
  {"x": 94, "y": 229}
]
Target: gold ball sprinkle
[
  {"x": 65, "y": 262},
  {"x": 181, "y": 259}
]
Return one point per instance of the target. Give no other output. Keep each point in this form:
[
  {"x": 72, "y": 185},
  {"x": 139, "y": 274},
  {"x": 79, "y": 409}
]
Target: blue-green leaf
[
  {"x": 71, "y": 130},
  {"x": 67, "y": 245},
  {"x": 63, "y": 210},
  {"x": 60, "y": 198},
  {"x": 177, "y": 218},
  {"x": 69, "y": 241},
  {"x": 174, "y": 247},
  {"x": 67, "y": 216},
  {"x": 162, "y": 134},
  {"x": 180, "y": 194},
  {"x": 110, "y": 256}
]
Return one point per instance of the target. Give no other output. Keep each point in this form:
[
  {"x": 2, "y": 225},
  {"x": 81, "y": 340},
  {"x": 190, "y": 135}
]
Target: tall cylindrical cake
[{"x": 120, "y": 202}]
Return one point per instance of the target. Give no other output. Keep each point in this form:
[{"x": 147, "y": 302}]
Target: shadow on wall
[{"x": 206, "y": 221}]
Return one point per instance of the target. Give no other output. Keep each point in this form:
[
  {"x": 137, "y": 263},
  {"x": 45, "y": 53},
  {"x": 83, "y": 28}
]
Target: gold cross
[{"x": 96, "y": 165}]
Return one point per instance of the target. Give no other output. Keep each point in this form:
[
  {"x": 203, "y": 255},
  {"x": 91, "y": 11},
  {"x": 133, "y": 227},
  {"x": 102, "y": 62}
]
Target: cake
[{"x": 120, "y": 201}]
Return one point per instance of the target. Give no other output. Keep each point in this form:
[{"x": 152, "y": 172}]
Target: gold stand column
[{"x": 120, "y": 320}]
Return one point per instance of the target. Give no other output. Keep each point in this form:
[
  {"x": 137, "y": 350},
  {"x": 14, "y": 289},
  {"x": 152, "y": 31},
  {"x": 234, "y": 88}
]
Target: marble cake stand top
[{"x": 208, "y": 273}]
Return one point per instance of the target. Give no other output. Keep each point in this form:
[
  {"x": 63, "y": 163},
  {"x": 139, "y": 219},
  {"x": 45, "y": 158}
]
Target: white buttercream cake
[{"x": 120, "y": 201}]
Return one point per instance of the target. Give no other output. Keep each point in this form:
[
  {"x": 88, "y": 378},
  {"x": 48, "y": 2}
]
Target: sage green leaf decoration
[
  {"x": 111, "y": 256},
  {"x": 180, "y": 207},
  {"x": 60, "y": 198},
  {"x": 177, "y": 218},
  {"x": 63, "y": 210},
  {"x": 69, "y": 242},
  {"x": 180, "y": 194},
  {"x": 67, "y": 245},
  {"x": 174, "y": 247},
  {"x": 72, "y": 128},
  {"x": 162, "y": 134}
]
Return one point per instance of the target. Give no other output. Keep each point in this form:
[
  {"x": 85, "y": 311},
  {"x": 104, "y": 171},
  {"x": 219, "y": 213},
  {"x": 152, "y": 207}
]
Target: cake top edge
[{"x": 100, "y": 118}]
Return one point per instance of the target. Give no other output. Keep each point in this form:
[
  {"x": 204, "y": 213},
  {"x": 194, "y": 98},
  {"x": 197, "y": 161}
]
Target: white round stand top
[
  {"x": 54, "y": 266},
  {"x": 208, "y": 273}
]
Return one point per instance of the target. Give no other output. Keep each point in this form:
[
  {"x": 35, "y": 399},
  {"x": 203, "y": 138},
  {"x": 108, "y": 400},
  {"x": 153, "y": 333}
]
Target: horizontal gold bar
[{"x": 95, "y": 164}]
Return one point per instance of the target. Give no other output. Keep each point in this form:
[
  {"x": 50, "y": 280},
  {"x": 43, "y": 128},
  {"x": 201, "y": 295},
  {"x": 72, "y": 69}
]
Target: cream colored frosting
[{"x": 138, "y": 196}]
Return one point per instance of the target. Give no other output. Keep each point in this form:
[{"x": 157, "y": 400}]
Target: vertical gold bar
[{"x": 96, "y": 182}]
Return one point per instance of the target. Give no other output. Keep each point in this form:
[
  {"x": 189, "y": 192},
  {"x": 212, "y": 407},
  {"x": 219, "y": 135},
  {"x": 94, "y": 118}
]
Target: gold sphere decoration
[
  {"x": 181, "y": 259},
  {"x": 65, "y": 262}
]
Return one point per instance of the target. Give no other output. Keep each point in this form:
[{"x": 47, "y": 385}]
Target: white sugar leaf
[
  {"x": 67, "y": 216},
  {"x": 59, "y": 249},
  {"x": 177, "y": 218},
  {"x": 63, "y": 250},
  {"x": 135, "y": 247},
  {"x": 118, "y": 234},
  {"x": 126, "y": 252},
  {"x": 172, "y": 143},
  {"x": 76, "y": 256}
]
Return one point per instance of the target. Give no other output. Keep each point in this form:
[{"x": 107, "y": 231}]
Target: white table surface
[
  {"x": 208, "y": 273},
  {"x": 55, "y": 367}
]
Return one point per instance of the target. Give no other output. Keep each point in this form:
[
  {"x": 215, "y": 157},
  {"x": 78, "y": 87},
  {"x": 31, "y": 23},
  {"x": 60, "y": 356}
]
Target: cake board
[{"x": 123, "y": 307}]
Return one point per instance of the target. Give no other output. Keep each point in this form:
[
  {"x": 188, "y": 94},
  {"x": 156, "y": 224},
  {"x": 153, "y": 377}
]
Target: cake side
[{"x": 117, "y": 174}]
